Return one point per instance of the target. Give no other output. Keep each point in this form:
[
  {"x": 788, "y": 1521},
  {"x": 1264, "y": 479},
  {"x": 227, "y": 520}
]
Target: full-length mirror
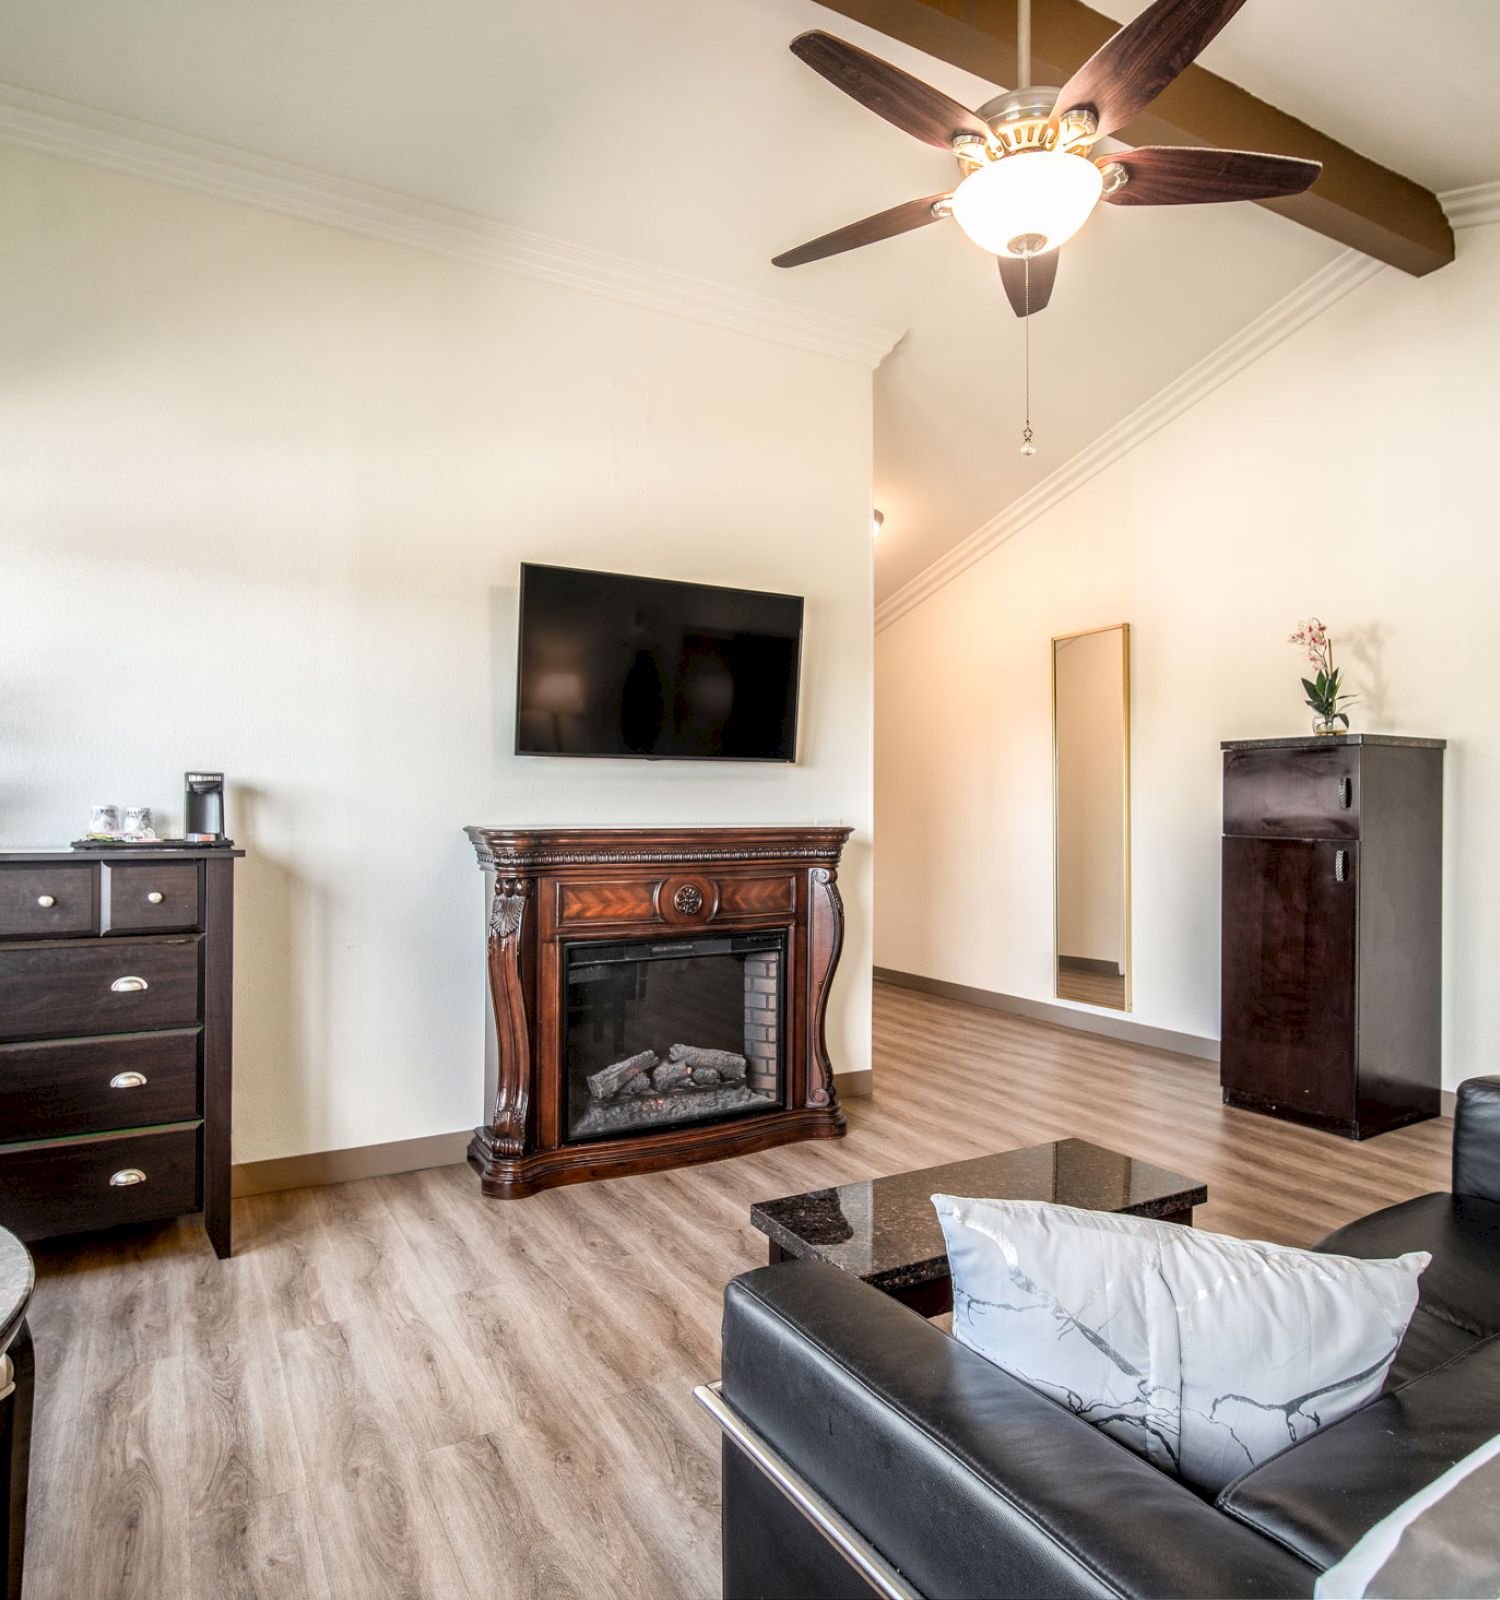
[{"x": 1091, "y": 815}]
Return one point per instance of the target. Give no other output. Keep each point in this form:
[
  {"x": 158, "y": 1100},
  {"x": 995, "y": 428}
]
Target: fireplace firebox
[
  {"x": 657, "y": 1033},
  {"x": 658, "y": 997}
]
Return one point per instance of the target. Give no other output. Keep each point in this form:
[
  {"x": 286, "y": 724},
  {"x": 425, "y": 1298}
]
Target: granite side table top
[
  {"x": 17, "y": 1279},
  {"x": 885, "y": 1230}
]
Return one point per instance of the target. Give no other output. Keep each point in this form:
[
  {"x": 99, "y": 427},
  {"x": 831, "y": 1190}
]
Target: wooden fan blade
[
  {"x": 884, "y": 225},
  {"x": 1177, "y": 175},
  {"x": 916, "y": 108},
  {"x": 1043, "y": 276},
  {"x": 1124, "y": 75}
]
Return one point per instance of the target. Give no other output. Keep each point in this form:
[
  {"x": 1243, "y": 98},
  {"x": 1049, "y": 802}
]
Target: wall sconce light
[{"x": 877, "y": 522}]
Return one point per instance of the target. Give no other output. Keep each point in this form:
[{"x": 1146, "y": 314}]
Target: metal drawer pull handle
[
  {"x": 129, "y": 985},
  {"x": 45, "y": 901},
  {"x": 1340, "y": 865},
  {"x": 156, "y": 897},
  {"x": 127, "y": 1178},
  {"x": 1346, "y": 793},
  {"x": 128, "y": 1080}
]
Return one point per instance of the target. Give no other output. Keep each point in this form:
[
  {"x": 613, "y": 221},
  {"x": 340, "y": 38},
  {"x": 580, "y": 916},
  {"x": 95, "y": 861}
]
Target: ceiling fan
[{"x": 1028, "y": 181}]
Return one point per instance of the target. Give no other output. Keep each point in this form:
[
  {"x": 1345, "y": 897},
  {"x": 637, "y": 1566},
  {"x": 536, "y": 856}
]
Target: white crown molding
[
  {"x": 58, "y": 127},
  {"x": 1465, "y": 208},
  {"x": 1472, "y": 207},
  {"x": 1345, "y": 272}
]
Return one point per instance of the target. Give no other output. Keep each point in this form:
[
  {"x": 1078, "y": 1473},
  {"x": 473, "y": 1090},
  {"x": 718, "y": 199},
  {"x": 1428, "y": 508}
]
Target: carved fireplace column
[{"x": 659, "y": 997}]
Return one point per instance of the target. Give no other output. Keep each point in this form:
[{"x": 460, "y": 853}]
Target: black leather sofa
[{"x": 967, "y": 1483}]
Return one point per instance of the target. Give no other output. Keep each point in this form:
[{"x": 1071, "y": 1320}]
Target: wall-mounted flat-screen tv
[{"x": 647, "y": 667}]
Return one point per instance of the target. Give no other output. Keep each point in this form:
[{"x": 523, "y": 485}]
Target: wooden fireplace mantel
[{"x": 550, "y": 886}]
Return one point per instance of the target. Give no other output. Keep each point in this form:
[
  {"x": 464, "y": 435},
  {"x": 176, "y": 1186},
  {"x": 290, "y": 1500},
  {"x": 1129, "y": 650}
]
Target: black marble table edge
[
  {"x": 17, "y": 1282},
  {"x": 910, "y": 1273},
  {"x": 1320, "y": 741}
]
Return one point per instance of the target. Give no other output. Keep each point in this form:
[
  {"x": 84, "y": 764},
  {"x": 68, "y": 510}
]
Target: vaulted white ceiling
[
  {"x": 685, "y": 135},
  {"x": 1142, "y": 295},
  {"x": 1412, "y": 86}
]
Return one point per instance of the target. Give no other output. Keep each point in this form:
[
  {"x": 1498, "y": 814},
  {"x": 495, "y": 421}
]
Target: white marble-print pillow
[{"x": 1205, "y": 1354}]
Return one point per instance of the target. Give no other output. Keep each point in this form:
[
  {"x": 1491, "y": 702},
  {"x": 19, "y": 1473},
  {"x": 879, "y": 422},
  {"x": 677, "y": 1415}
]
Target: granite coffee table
[{"x": 886, "y": 1231}]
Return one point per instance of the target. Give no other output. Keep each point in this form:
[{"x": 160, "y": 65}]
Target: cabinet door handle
[
  {"x": 126, "y": 1178},
  {"x": 128, "y": 1080},
  {"x": 1346, "y": 793},
  {"x": 45, "y": 901},
  {"x": 1340, "y": 865},
  {"x": 129, "y": 985},
  {"x": 156, "y": 897}
]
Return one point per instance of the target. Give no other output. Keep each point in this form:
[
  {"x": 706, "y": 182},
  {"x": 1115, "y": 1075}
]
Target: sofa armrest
[
  {"x": 964, "y": 1479},
  {"x": 1476, "y": 1139}
]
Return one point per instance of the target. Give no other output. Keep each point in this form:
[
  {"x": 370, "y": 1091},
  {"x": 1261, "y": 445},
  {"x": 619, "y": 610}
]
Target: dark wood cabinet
[
  {"x": 115, "y": 1057},
  {"x": 1332, "y": 930}
]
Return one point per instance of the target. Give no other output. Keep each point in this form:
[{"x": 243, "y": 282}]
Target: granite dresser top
[
  {"x": 886, "y": 1231},
  {"x": 17, "y": 1280}
]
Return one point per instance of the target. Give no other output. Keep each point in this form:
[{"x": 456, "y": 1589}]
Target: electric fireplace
[{"x": 658, "y": 997}]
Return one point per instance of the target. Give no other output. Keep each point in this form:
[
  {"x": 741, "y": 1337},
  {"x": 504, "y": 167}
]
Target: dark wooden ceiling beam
[{"x": 1355, "y": 201}]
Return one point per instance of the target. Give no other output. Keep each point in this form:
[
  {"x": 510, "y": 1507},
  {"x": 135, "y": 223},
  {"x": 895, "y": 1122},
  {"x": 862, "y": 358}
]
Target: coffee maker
[{"x": 203, "y": 807}]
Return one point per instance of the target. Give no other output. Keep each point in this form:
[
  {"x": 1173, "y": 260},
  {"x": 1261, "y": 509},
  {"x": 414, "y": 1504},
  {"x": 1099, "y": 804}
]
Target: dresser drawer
[
  {"x": 72, "y": 1086},
  {"x": 97, "y": 986},
  {"x": 48, "y": 901},
  {"x": 75, "y": 1185},
  {"x": 146, "y": 897},
  {"x": 1292, "y": 794}
]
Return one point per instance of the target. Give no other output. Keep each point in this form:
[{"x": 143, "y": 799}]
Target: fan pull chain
[{"x": 1027, "y": 447}]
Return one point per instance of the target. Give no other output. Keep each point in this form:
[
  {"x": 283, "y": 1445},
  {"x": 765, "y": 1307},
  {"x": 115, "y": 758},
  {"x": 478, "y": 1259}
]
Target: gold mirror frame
[{"x": 1126, "y": 999}]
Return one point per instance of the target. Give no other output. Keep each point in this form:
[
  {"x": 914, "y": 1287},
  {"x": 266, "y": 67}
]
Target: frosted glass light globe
[{"x": 1038, "y": 194}]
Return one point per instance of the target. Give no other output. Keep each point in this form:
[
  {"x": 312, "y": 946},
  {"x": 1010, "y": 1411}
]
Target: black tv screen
[{"x": 618, "y": 666}]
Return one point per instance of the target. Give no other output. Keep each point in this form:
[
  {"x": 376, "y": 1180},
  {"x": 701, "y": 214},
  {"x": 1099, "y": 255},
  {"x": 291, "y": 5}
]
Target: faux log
[
  {"x": 612, "y": 1079},
  {"x": 725, "y": 1062},
  {"x": 552, "y": 886},
  {"x": 670, "y": 1072}
]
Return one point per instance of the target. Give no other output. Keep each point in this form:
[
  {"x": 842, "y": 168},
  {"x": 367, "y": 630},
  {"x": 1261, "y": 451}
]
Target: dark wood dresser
[
  {"x": 1332, "y": 930},
  {"x": 116, "y": 972}
]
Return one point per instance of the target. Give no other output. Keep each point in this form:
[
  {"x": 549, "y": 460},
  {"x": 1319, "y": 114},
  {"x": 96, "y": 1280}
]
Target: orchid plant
[{"x": 1323, "y": 692}]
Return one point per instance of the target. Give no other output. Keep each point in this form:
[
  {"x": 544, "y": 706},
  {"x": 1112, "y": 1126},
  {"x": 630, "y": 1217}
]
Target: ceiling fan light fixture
[{"x": 1007, "y": 206}]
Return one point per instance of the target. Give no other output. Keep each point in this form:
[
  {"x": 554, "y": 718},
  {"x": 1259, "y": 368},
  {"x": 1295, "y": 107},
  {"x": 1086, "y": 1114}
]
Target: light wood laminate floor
[{"x": 396, "y": 1387}]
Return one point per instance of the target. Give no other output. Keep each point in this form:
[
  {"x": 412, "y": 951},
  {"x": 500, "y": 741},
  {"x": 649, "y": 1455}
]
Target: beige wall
[
  {"x": 1350, "y": 472},
  {"x": 266, "y": 490}
]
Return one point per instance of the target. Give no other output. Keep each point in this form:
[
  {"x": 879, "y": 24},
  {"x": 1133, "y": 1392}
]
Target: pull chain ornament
[{"x": 1027, "y": 447}]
